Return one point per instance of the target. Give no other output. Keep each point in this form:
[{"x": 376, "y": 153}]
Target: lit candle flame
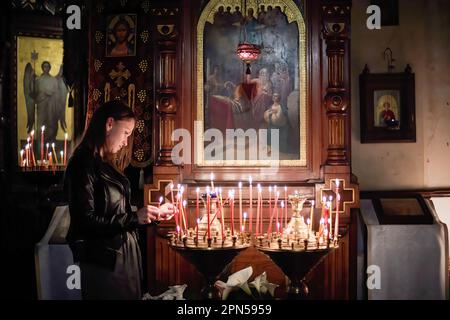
[
  {"x": 312, "y": 203},
  {"x": 197, "y": 190},
  {"x": 282, "y": 204},
  {"x": 240, "y": 185},
  {"x": 43, "y": 129},
  {"x": 160, "y": 200}
]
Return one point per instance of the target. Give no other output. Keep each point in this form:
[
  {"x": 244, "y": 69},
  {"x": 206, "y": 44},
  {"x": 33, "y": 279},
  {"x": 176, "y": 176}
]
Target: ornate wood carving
[
  {"x": 166, "y": 101},
  {"x": 336, "y": 32}
]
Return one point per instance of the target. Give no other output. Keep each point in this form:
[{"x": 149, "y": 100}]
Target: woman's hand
[
  {"x": 166, "y": 211},
  {"x": 147, "y": 214}
]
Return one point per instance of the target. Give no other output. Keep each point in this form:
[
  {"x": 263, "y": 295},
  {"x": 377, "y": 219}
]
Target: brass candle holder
[{"x": 296, "y": 250}]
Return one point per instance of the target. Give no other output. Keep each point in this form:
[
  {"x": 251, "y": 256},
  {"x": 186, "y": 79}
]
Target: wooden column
[
  {"x": 336, "y": 33},
  {"x": 166, "y": 100}
]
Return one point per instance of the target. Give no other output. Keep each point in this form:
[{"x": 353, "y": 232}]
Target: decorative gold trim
[
  {"x": 293, "y": 14},
  {"x": 341, "y": 189}
]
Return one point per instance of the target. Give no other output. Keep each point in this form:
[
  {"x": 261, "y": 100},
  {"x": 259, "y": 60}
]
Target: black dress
[{"x": 102, "y": 232}]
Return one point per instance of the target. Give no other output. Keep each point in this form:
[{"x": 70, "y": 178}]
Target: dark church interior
[{"x": 300, "y": 148}]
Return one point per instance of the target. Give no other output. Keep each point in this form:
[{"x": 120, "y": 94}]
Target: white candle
[
  {"x": 42, "y": 144},
  {"x": 336, "y": 224},
  {"x": 21, "y": 158},
  {"x": 258, "y": 212},
  {"x": 311, "y": 215},
  {"x": 65, "y": 148},
  {"x": 212, "y": 181},
  {"x": 251, "y": 204},
  {"x": 240, "y": 204}
]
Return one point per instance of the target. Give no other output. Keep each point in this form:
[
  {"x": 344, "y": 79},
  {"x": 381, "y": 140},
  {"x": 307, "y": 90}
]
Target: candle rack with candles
[{"x": 291, "y": 242}]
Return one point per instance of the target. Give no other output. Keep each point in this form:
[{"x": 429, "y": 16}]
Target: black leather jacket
[{"x": 100, "y": 210}]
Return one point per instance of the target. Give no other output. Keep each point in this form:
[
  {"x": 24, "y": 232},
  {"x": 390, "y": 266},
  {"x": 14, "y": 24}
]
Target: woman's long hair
[{"x": 94, "y": 137}]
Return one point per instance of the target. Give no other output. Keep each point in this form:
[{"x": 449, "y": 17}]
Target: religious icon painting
[
  {"x": 44, "y": 120},
  {"x": 267, "y": 101},
  {"x": 387, "y": 102},
  {"x": 121, "y": 35},
  {"x": 387, "y": 111}
]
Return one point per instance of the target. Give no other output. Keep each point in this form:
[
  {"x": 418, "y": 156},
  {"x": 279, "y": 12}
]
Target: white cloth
[
  {"x": 53, "y": 257},
  {"x": 412, "y": 258}
]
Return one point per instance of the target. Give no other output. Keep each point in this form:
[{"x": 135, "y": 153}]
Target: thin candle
[
  {"x": 330, "y": 206},
  {"x": 185, "y": 215},
  {"x": 65, "y": 148},
  {"x": 270, "y": 201},
  {"x": 240, "y": 204},
  {"x": 54, "y": 153},
  {"x": 27, "y": 150},
  {"x": 27, "y": 154},
  {"x": 311, "y": 215},
  {"x": 196, "y": 230},
  {"x": 269, "y": 230},
  {"x": 275, "y": 207},
  {"x": 282, "y": 210},
  {"x": 336, "y": 223},
  {"x": 222, "y": 218},
  {"x": 212, "y": 181},
  {"x": 46, "y": 150},
  {"x": 230, "y": 196},
  {"x": 258, "y": 208},
  {"x": 208, "y": 196},
  {"x": 21, "y": 157},
  {"x": 197, "y": 209},
  {"x": 251, "y": 204},
  {"x": 160, "y": 201},
  {"x": 330, "y": 219},
  {"x": 50, "y": 159},
  {"x": 42, "y": 144},
  {"x": 245, "y": 218},
  {"x": 32, "y": 147},
  {"x": 285, "y": 207}
]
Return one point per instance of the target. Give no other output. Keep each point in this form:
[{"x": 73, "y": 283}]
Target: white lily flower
[
  {"x": 173, "y": 293},
  {"x": 261, "y": 284},
  {"x": 236, "y": 281}
]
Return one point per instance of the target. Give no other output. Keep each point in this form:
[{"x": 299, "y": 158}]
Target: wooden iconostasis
[{"x": 177, "y": 68}]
